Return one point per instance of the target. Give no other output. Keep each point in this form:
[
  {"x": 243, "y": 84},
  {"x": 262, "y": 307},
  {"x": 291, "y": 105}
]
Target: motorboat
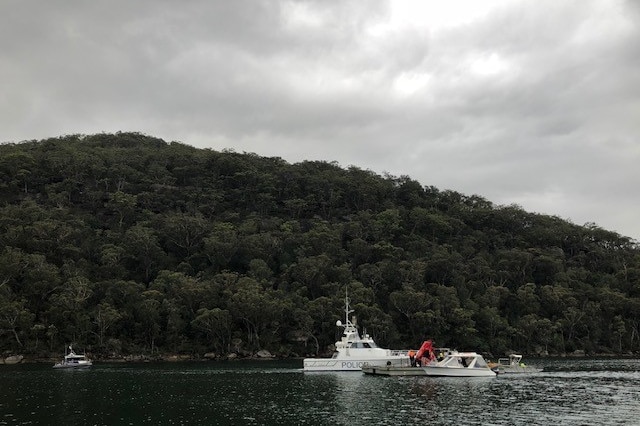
[
  {"x": 513, "y": 365},
  {"x": 460, "y": 364},
  {"x": 427, "y": 354},
  {"x": 73, "y": 360},
  {"x": 354, "y": 351}
]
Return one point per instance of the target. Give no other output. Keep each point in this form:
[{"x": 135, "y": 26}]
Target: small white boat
[
  {"x": 354, "y": 351},
  {"x": 73, "y": 360},
  {"x": 460, "y": 364},
  {"x": 427, "y": 354},
  {"x": 514, "y": 365}
]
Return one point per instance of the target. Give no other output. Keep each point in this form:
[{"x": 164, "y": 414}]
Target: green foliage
[{"x": 125, "y": 243}]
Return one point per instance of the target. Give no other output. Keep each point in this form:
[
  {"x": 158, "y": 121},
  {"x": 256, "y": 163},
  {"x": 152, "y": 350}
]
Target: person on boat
[
  {"x": 425, "y": 354},
  {"x": 412, "y": 357}
]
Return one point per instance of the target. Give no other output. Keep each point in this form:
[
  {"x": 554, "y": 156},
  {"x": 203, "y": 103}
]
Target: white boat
[
  {"x": 460, "y": 364},
  {"x": 73, "y": 360},
  {"x": 426, "y": 355},
  {"x": 354, "y": 351},
  {"x": 514, "y": 365}
]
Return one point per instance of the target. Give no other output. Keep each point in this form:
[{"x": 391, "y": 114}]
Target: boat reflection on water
[{"x": 427, "y": 389}]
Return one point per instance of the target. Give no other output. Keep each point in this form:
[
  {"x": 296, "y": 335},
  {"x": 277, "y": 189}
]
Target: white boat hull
[
  {"x": 351, "y": 364},
  {"x": 458, "y": 372},
  {"x": 73, "y": 365},
  {"x": 393, "y": 371},
  {"x": 460, "y": 364}
]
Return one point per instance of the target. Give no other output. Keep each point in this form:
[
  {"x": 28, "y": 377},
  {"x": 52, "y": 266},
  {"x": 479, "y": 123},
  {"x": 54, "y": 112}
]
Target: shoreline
[{"x": 177, "y": 358}]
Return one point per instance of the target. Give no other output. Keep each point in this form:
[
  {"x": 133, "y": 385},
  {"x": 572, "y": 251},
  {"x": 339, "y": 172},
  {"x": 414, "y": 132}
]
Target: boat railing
[
  {"x": 323, "y": 362},
  {"x": 513, "y": 360},
  {"x": 403, "y": 363}
]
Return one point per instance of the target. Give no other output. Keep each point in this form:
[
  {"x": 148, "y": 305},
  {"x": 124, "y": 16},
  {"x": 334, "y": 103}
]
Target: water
[{"x": 568, "y": 392}]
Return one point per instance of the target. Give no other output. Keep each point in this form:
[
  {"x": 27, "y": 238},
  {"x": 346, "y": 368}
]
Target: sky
[{"x": 527, "y": 102}]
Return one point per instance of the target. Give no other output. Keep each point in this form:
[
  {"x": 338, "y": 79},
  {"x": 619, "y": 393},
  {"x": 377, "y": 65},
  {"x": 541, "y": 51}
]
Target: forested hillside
[{"x": 124, "y": 243}]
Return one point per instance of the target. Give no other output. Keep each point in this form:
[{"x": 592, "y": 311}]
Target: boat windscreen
[{"x": 480, "y": 363}]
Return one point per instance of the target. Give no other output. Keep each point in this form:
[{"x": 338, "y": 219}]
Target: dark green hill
[{"x": 124, "y": 243}]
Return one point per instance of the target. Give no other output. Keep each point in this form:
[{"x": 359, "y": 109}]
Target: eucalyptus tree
[
  {"x": 148, "y": 317},
  {"x": 104, "y": 317},
  {"x": 412, "y": 305},
  {"x": 15, "y": 318},
  {"x": 217, "y": 324},
  {"x": 143, "y": 251},
  {"x": 259, "y": 310}
]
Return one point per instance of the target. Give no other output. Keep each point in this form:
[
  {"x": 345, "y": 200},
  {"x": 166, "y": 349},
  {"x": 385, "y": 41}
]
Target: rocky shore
[
  {"x": 210, "y": 356},
  {"x": 239, "y": 356}
]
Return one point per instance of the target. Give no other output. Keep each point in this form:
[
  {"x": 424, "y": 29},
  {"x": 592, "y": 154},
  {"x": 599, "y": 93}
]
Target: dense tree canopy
[{"x": 124, "y": 244}]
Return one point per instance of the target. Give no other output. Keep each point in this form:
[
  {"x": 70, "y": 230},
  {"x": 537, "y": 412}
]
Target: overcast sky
[{"x": 532, "y": 102}]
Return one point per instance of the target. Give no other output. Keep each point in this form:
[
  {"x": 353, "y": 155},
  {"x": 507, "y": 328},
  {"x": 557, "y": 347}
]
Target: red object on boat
[{"x": 426, "y": 351}]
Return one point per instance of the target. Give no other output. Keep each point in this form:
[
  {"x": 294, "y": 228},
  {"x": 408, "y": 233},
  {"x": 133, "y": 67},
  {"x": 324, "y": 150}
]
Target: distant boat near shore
[
  {"x": 513, "y": 365},
  {"x": 73, "y": 360}
]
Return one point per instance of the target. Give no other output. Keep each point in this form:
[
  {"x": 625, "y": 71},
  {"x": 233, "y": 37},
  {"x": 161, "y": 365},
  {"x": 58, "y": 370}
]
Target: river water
[{"x": 567, "y": 392}]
